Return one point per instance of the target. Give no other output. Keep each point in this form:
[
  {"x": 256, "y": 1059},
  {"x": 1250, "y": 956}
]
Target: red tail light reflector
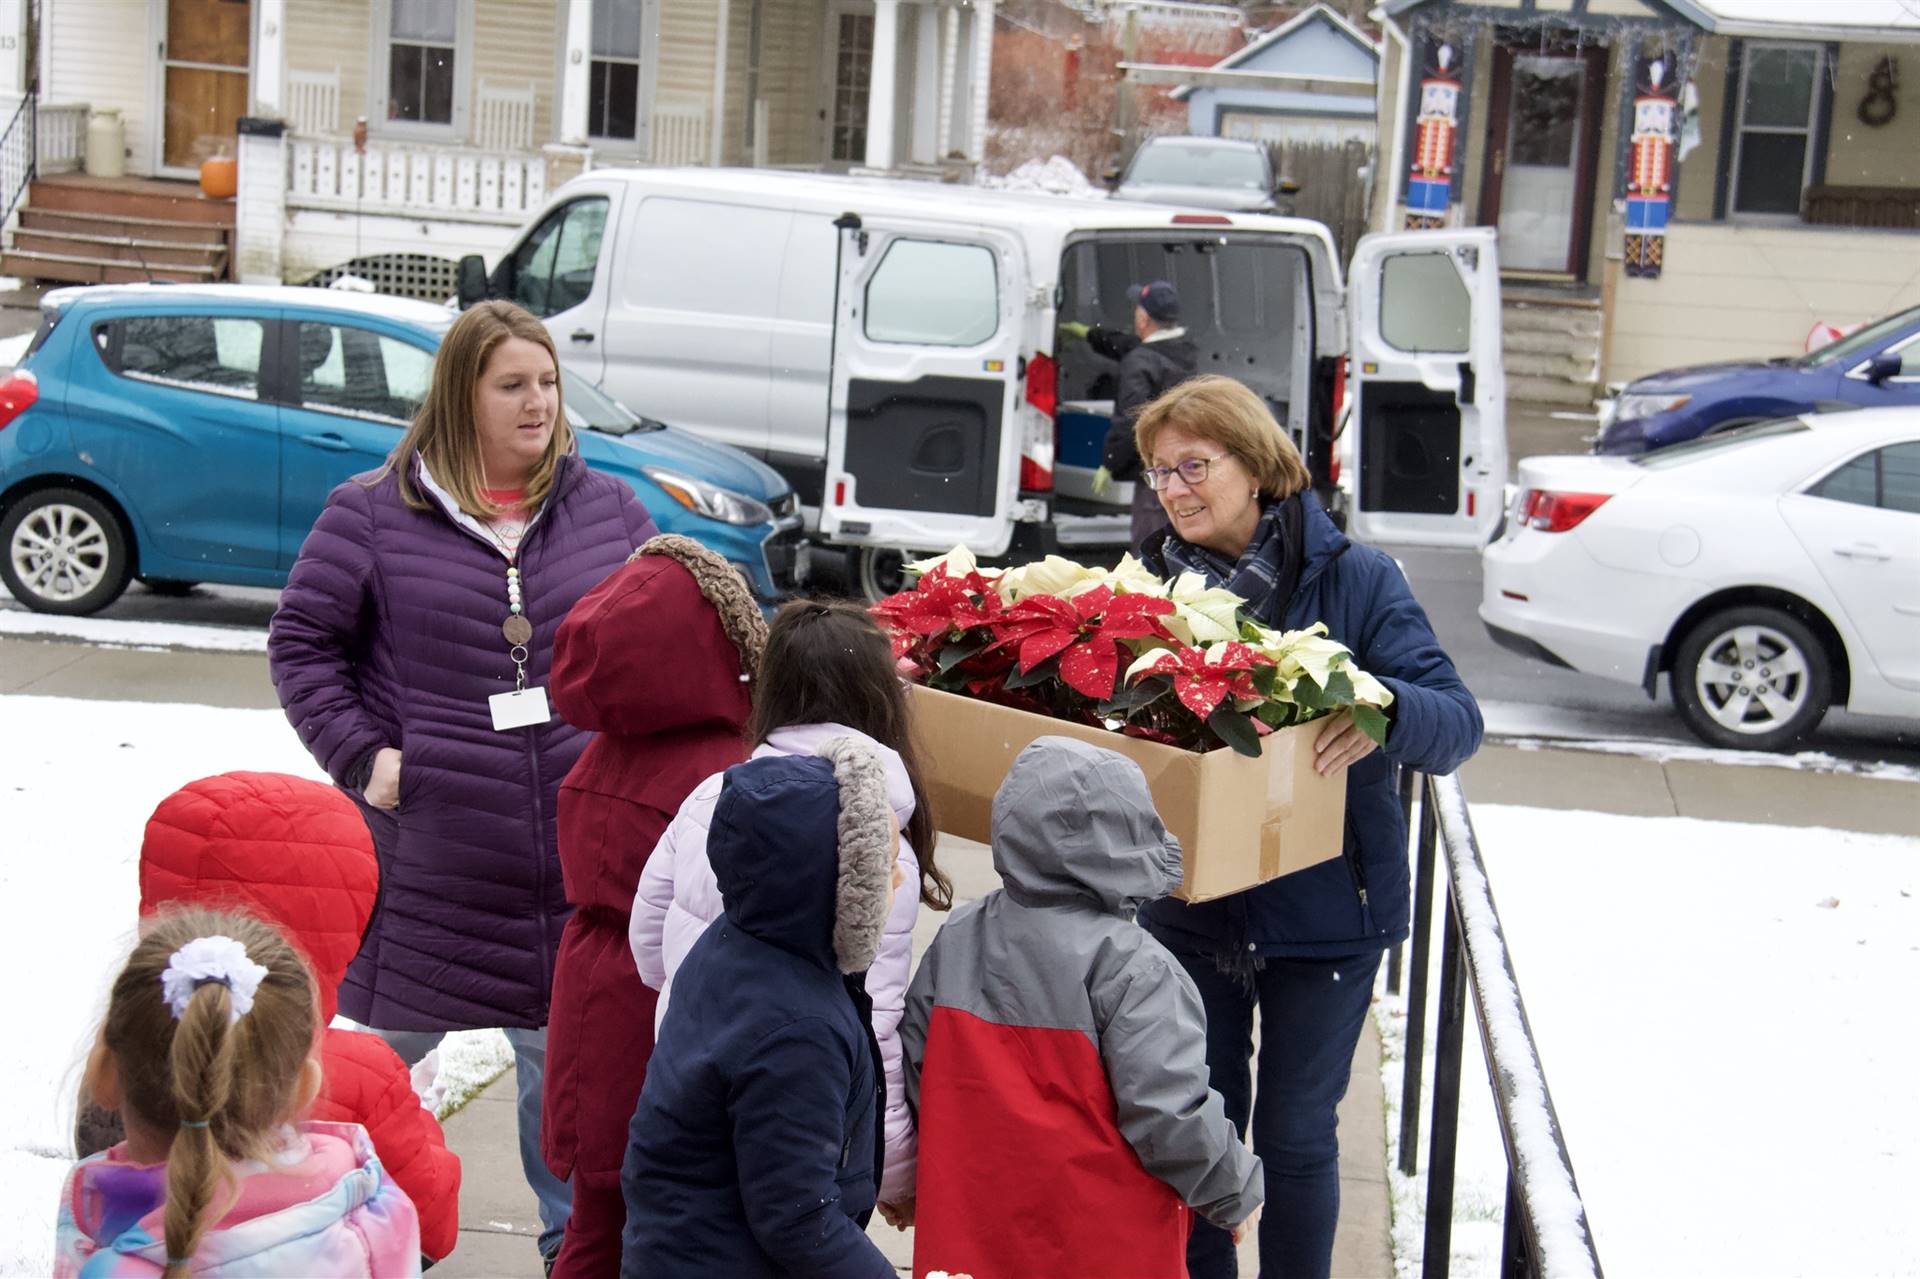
[
  {"x": 18, "y": 394},
  {"x": 1552, "y": 512},
  {"x": 1043, "y": 383},
  {"x": 839, "y": 492},
  {"x": 1035, "y": 478}
]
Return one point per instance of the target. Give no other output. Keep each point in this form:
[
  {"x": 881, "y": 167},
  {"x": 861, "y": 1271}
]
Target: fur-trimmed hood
[
  {"x": 670, "y": 641},
  {"x": 802, "y": 849}
]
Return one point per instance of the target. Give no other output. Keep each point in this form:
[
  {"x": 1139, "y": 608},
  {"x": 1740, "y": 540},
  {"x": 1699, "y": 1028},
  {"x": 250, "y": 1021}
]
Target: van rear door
[
  {"x": 1429, "y": 389},
  {"x": 923, "y": 439}
]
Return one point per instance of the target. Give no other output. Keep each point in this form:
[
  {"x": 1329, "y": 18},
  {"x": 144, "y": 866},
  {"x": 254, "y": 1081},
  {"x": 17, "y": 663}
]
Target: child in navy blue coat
[{"x": 755, "y": 1149}]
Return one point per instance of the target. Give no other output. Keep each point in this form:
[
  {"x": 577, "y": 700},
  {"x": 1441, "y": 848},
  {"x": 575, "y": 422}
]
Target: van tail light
[
  {"x": 1043, "y": 400},
  {"x": 18, "y": 394},
  {"x": 1201, "y": 219},
  {"x": 1552, "y": 512},
  {"x": 1339, "y": 386},
  {"x": 1043, "y": 384}
]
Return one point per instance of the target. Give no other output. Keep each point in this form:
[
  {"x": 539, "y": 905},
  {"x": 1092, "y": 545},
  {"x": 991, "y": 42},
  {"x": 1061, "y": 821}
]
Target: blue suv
[
  {"x": 1878, "y": 365},
  {"x": 192, "y": 434}
]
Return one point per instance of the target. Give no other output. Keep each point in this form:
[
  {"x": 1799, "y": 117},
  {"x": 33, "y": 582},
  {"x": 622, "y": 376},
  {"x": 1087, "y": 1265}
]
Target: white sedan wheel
[{"x": 1751, "y": 679}]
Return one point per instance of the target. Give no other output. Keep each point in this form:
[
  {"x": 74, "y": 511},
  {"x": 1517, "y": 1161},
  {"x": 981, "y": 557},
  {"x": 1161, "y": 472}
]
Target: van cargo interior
[{"x": 1245, "y": 303}]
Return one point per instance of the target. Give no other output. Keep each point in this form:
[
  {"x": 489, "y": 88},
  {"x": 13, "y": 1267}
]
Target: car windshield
[
  {"x": 1861, "y": 344},
  {"x": 1207, "y": 166},
  {"x": 1693, "y": 450},
  {"x": 590, "y": 408}
]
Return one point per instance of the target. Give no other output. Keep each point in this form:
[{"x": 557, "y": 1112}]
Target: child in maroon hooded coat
[{"x": 658, "y": 661}]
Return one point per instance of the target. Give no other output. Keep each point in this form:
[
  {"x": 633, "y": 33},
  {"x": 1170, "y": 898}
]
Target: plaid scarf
[{"x": 1266, "y": 573}]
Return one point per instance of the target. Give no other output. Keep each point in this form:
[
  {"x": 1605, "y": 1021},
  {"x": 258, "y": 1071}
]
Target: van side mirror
[
  {"x": 471, "y": 284},
  {"x": 1885, "y": 365}
]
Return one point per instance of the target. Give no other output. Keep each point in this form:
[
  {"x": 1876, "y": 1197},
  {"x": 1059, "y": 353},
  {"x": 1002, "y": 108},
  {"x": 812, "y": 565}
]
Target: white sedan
[{"x": 1771, "y": 571}]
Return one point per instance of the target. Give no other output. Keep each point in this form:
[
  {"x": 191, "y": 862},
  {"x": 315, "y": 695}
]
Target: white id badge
[{"x": 521, "y": 708}]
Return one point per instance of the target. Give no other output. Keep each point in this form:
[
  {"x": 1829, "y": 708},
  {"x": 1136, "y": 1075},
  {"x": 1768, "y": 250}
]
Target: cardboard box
[{"x": 1240, "y": 821}]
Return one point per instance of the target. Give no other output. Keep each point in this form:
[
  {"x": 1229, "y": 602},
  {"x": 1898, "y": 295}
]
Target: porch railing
[
  {"x": 681, "y": 132},
  {"x": 61, "y": 132},
  {"x": 1546, "y": 1231},
  {"x": 414, "y": 181},
  {"x": 17, "y": 157}
]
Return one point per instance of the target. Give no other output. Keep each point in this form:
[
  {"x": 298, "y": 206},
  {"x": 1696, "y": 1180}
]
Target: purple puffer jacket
[{"x": 388, "y": 634}]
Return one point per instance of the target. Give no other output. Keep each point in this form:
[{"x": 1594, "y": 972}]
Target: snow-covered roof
[
  {"x": 1319, "y": 12},
  {"x": 1895, "y": 20}
]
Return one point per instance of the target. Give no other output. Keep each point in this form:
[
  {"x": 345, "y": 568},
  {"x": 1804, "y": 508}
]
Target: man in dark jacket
[
  {"x": 755, "y": 1150},
  {"x": 1156, "y": 357}
]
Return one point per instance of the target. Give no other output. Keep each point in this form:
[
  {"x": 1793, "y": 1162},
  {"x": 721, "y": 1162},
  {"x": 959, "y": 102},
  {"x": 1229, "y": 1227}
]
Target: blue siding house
[{"x": 1316, "y": 42}]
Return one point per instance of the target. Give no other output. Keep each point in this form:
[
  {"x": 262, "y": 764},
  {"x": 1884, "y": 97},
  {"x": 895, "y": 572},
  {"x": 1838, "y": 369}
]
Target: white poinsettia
[
  {"x": 1054, "y": 575},
  {"x": 1368, "y": 691},
  {"x": 1131, "y": 577},
  {"x": 1202, "y": 614},
  {"x": 958, "y": 563}
]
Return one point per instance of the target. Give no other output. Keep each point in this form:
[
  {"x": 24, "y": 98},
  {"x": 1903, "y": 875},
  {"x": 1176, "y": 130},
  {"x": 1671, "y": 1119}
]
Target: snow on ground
[
  {"x": 78, "y": 780},
  {"x": 1055, "y": 176},
  {"x": 14, "y": 349},
  {"x": 1721, "y": 1014},
  {"x": 122, "y": 633},
  {"x": 1533, "y": 727}
]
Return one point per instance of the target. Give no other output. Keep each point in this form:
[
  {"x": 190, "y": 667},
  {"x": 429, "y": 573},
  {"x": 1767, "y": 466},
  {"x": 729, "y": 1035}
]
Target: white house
[{"x": 474, "y": 109}]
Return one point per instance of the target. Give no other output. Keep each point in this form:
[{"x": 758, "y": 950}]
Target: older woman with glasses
[{"x": 1301, "y": 951}]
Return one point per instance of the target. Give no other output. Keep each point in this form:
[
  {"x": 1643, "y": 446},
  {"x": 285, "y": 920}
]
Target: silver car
[{"x": 1206, "y": 173}]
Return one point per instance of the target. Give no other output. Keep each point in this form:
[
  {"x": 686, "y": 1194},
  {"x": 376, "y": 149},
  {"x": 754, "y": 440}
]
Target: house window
[
  {"x": 614, "y": 82},
  {"x": 1773, "y": 151},
  {"x": 422, "y": 51},
  {"x": 852, "y": 72}
]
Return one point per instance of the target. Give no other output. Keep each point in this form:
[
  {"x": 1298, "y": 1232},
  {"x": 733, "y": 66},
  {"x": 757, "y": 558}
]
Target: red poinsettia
[
  {"x": 1202, "y": 679},
  {"x": 939, "y": 604},
  {"x": 1085, "y": 631}
]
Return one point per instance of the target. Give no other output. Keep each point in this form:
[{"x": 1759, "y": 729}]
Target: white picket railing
[
  {"x": 681, "y": 133},
  {"x": 62, "y": 130},
  {"x": 414, "y": 180}
]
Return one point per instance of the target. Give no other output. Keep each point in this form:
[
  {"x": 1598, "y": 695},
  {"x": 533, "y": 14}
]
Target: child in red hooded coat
[
  {"x": 296, "y": 855},
  {"x": 658, "y": 662}
]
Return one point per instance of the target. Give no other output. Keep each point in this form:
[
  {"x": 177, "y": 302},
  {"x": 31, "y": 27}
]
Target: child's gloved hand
[
  {"x": 1102, "y": 481},
  {"x": 1075, "y": 329}
]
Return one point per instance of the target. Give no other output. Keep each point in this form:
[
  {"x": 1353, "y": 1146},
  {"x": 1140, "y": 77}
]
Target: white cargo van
[{"x": 891, "y": 346}]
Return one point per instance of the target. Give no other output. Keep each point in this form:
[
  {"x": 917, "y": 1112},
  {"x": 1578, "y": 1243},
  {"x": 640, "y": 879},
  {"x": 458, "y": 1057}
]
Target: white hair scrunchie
[{"x": 211, "y": 959}]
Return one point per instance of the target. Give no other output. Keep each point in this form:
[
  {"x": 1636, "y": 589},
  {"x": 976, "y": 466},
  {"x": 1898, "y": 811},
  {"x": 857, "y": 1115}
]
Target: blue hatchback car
[
  {"x": 192, "y": 434},
  {"x": 1878, "y": 365}
]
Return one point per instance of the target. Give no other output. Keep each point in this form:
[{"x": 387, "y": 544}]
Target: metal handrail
[
  {"x": 1546, "y": 1229},
  {"x": 24, "y": 118}
]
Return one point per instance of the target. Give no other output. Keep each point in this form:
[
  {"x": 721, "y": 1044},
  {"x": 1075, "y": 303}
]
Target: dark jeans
[{"x": 1311, "y": 1011}]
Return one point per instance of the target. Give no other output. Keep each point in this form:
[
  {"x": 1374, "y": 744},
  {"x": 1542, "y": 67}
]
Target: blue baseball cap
[{"x": 1158, "y": 300}]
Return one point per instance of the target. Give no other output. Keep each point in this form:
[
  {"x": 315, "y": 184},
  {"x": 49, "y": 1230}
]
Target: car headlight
[
  {"x": 709, "y": 500},
  {"x": 1629, "y": 407}
]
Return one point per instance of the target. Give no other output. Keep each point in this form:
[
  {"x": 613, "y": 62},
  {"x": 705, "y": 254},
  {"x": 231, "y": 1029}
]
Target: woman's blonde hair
[
  {"x": 444, "y": 433},
  {"x": 1224, "y": 412},
  {"x": 219, "y": 1087}
]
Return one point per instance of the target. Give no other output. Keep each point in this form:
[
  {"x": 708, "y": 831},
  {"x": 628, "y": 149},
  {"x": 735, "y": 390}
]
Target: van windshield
[{"x": 1170, "y": 164}]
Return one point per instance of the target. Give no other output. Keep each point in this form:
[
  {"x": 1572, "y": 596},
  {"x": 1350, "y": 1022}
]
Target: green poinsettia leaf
[
  {"x": 1372, "y": 721},
  {"x": 1049, "y": 669},
  {"x": 954, "y": 654},
  {"x": 1279, "y": 714},
  {"x": 1236, "y": 730},
  {"x": 1338, "y": 689}
]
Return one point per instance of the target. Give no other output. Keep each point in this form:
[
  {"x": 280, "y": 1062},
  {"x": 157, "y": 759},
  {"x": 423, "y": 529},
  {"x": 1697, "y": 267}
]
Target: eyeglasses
[{"x": 1193, "y": 471}]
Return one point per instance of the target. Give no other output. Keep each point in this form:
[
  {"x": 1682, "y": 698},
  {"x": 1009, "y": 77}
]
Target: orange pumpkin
[{"x": 219, "y": 177}]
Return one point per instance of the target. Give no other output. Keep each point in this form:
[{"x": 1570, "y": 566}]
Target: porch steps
[
  {"x": 1551, "y": 341},
  {"x": 120, "y": 231}
]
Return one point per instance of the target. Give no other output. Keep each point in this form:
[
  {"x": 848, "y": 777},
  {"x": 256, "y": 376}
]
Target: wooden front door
[
  {"x": 204, "y": 65},
  {"x": 1543, "y": 141}
]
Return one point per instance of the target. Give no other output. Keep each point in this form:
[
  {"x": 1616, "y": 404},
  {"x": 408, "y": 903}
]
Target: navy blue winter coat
[
  {"x": 1357, "y": 902},
  {"x": 755, "y": 1149}
]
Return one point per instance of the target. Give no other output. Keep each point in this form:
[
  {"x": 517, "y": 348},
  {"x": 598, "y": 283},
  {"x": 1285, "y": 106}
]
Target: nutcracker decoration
[
  {"x": 1650, "y": 174},
  {"x": 1430, "y": 187}
]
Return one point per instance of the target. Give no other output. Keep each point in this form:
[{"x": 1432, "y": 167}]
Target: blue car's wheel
[{"x": 64, "y": 551}]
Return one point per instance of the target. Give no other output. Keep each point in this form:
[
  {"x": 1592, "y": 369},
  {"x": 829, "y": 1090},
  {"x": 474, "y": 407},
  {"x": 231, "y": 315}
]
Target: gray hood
[{"x": 1074, "y": 821}]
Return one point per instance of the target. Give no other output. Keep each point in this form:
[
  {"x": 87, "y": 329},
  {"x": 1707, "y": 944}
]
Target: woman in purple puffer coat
[{"x": 427, "y": 594}]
